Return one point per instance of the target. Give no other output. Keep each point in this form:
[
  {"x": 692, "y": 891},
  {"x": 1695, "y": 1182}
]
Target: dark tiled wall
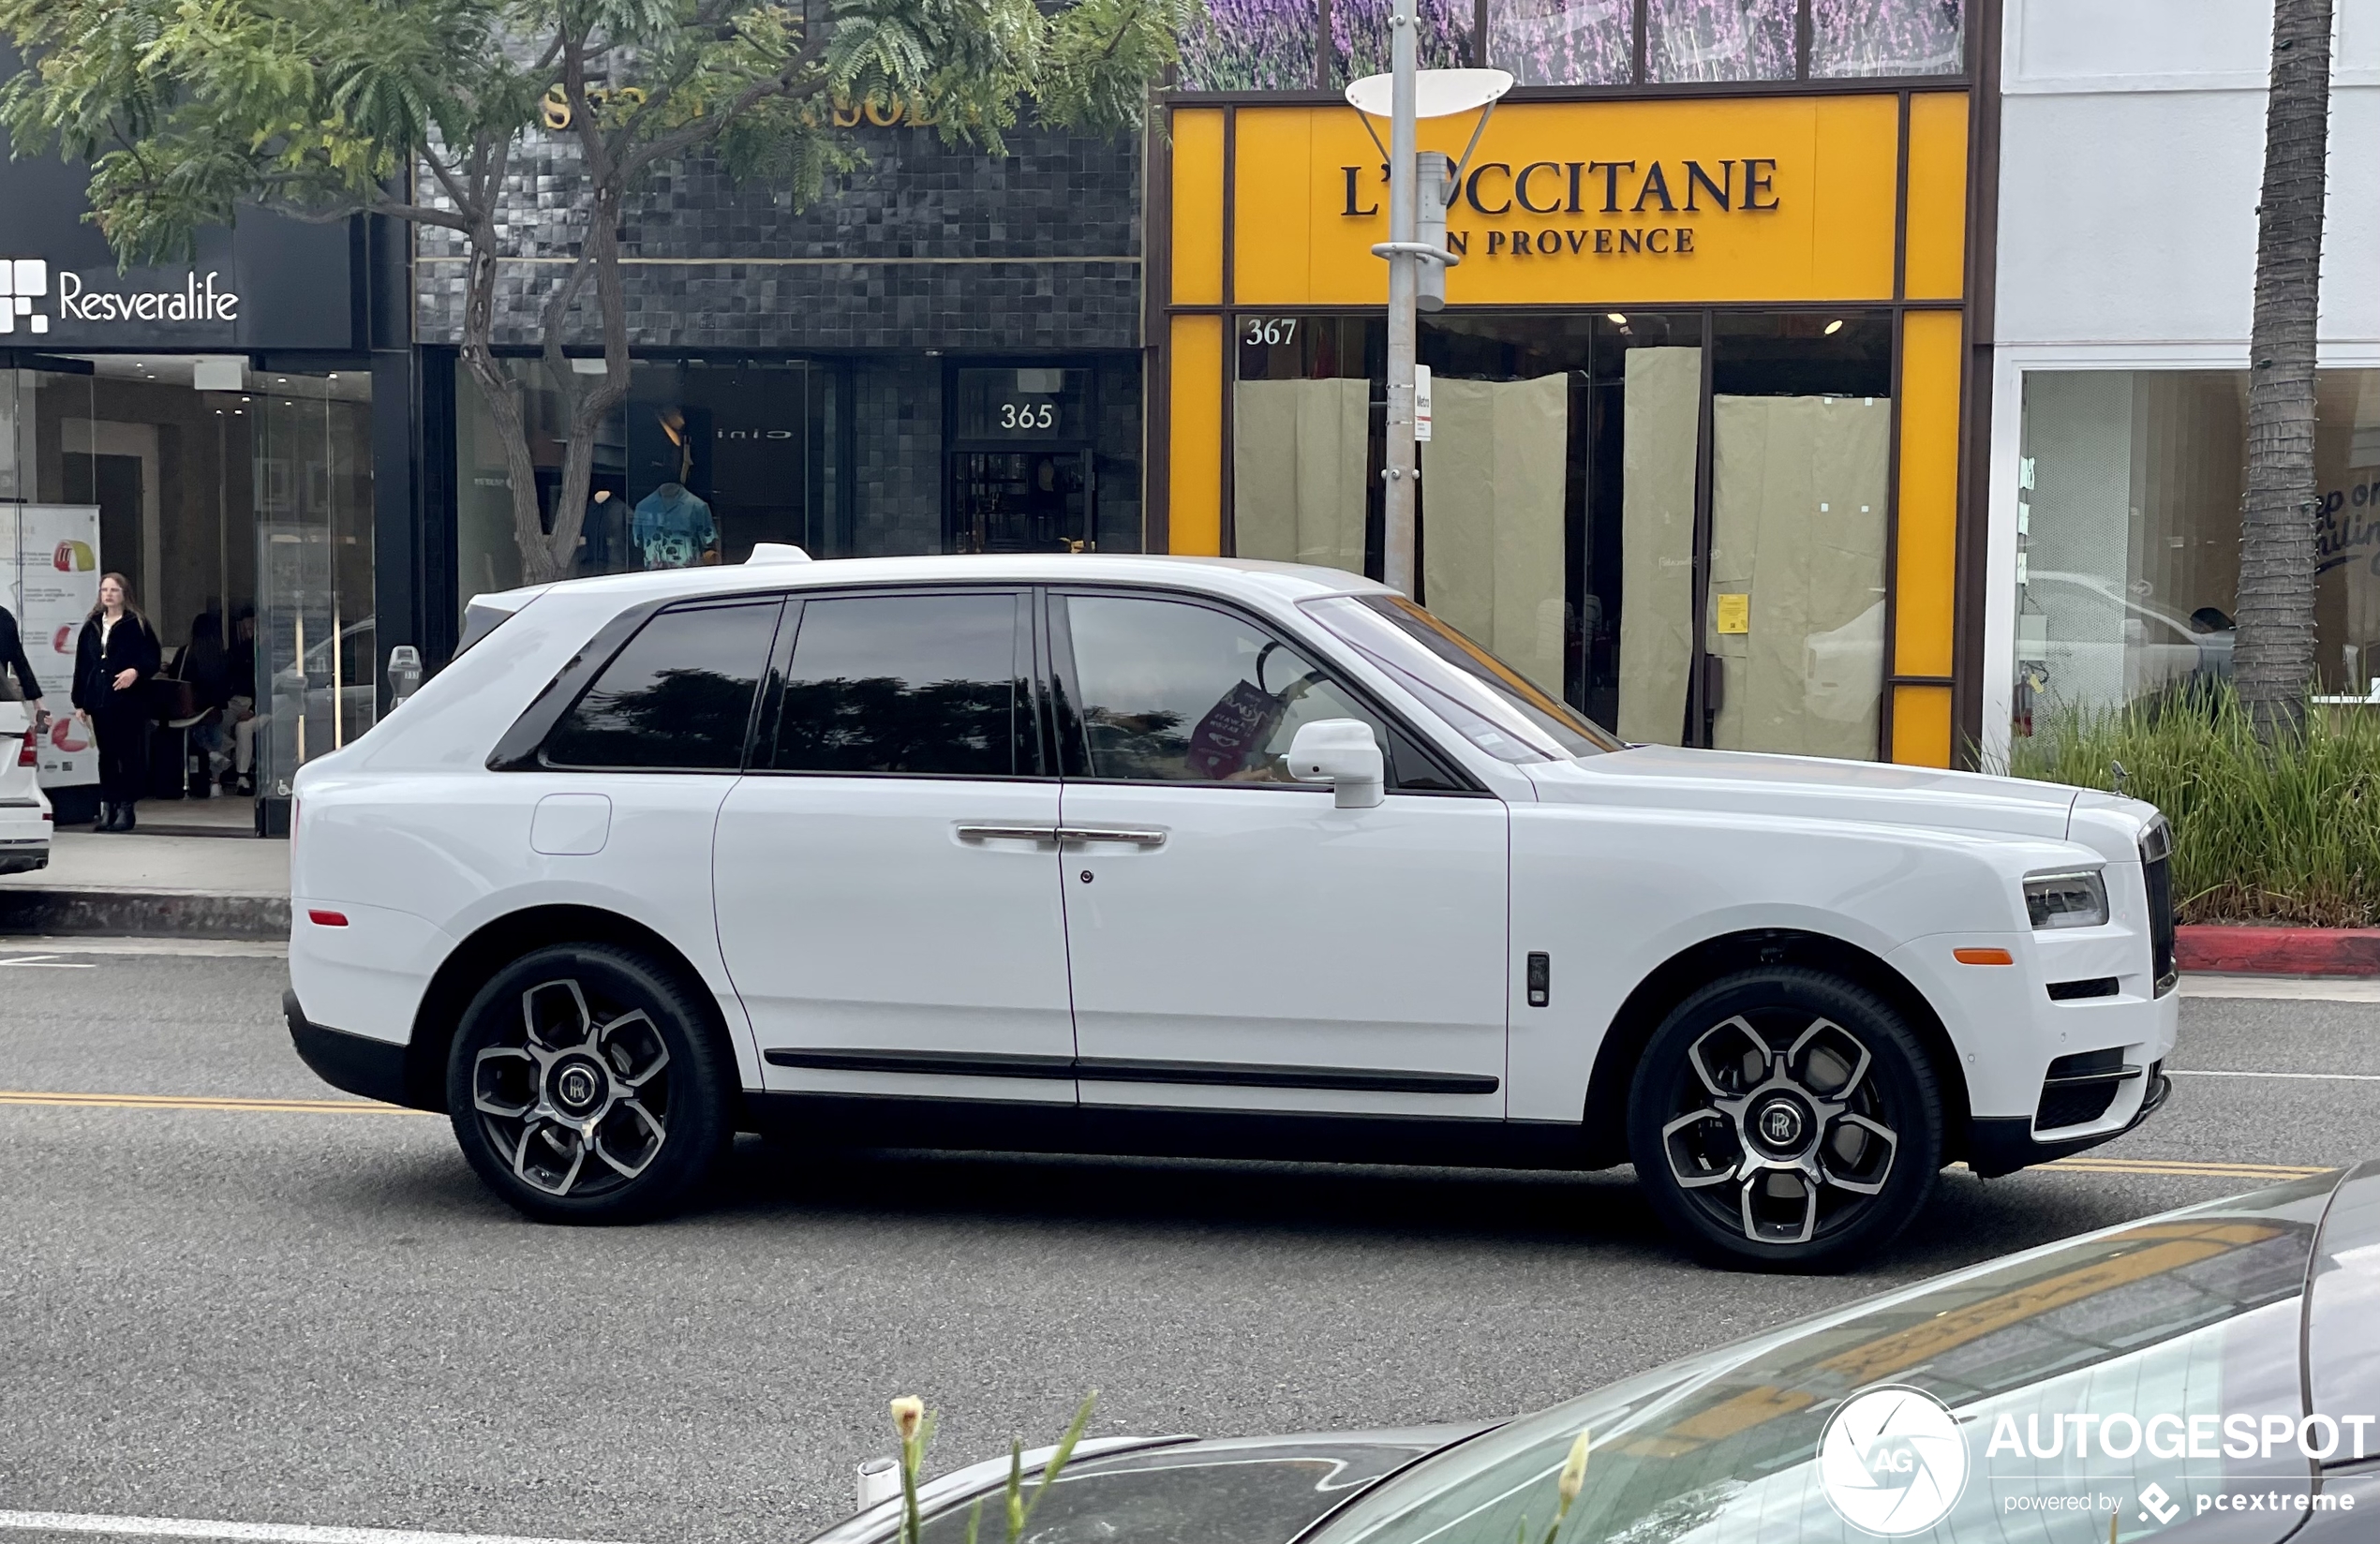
[
  {"x": 926, "y": 246},
  {"x": 897, "y": 483}
]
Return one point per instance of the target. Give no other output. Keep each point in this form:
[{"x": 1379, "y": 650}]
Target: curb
[
  {"x": 2278, "y": 951},
  {"x": 143, "y": 913}
]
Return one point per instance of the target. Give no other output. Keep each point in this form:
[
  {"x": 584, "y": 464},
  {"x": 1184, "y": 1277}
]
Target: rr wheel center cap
[
  {"x": 577, "y": 1087},
  {"x": 1779, "y": 1125}
]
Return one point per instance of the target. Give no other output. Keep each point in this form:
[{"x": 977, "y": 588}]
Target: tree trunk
[
  {"x": 2273, "y": 656},
  {"x": 502, "y": 394}
]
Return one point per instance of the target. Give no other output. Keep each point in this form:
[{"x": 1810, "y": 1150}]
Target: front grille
[{"x": 2158, "y": 871}]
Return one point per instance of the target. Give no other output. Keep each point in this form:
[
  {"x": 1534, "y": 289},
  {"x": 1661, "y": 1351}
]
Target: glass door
[
  {"x": 315, "y": 659},
  {"x": 1022, "y": 473}
]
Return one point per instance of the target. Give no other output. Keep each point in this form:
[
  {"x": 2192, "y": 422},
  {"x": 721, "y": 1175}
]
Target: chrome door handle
[
  {"x": 1130, "y": 836},
  {"x": 1007, "y": 833}
]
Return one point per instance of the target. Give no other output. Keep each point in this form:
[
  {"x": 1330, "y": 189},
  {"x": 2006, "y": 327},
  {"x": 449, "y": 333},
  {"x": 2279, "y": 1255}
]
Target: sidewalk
[{"x": 225, "y": 883}]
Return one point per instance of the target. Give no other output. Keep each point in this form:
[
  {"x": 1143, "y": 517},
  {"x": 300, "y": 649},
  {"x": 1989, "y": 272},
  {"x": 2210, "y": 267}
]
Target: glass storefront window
[
  {"x": 1269, "y": 45},
  {"x": 1360, "y": 37},
  {"x": 1719, "y": 39},
  {"x": 237, "y": 500},
  {"x": 1801, "y": 461},
  {"x": 1251, "y": 45},
  {"x": 1309, "y": 408},
  {"x": 1563, "y": 519},
  {"x": 1861, "y": 37},
  {"x": 1564, "y": 42},
  {"x": 2129, "y": 487},
  {"x": 699, "y": 464}
]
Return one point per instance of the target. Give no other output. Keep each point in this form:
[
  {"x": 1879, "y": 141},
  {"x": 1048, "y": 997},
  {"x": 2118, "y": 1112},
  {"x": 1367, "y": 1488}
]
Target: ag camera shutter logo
[
  {"x": 22, "y": 281},
  {"x": 1893, "y": 1462}
]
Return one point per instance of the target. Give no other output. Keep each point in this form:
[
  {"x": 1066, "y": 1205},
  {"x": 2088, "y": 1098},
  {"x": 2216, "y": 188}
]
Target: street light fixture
[{"x": 1420, "y": 187}]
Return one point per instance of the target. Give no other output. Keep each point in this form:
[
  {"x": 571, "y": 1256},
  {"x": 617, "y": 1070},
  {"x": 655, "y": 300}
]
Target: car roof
[{"x": 1228, "y": 575}]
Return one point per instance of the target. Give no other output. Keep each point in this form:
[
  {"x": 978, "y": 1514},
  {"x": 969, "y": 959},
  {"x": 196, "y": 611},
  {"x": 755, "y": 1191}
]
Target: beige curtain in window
[
  {"x": 1492, "y": 486},
  {"x": 1797, "y": 547},
  {"x": 1663, "y": 396},
  {"x": 1298, "y": 461}
]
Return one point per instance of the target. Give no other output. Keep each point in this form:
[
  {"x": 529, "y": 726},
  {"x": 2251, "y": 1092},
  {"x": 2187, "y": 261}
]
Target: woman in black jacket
[{"x": 117, "y": 652}]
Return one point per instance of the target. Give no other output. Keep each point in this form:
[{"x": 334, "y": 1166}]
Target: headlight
[{"x": 2077, "y": 899}]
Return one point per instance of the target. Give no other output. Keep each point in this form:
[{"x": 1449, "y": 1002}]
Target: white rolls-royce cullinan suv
[{"x": 1188, "y": 856}]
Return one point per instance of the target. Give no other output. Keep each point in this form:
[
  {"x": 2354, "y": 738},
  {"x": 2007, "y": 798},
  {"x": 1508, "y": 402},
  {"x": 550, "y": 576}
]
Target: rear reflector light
[
  {"x": 25, "y": 754},
  {"x": 1983, "y": 956},
  {"x": 327, "y": 919}
]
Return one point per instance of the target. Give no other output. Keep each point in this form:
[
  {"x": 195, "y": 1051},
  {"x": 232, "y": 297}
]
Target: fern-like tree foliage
[{"x": 189, "y": 112}]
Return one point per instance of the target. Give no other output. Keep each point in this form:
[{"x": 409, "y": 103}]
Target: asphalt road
[{"x": 305, "y": 1317}]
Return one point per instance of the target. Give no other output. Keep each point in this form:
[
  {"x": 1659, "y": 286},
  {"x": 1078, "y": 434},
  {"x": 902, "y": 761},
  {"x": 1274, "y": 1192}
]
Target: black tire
[
  {"x": 585, "y": 1086},
  {"x": 1778, "y": 1097}
]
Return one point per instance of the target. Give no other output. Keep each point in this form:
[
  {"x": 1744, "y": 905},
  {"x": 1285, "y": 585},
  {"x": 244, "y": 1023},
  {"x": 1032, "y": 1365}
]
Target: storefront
[
  {"x": 2121, "y": 362},
  {"x": 940, "y": 355},
  {"x": 1699, "y": 383},
  {"x": 206, "y": 431}
]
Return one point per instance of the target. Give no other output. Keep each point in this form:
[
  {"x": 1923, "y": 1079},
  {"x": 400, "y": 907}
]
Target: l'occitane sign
[{"x": 1586, "y": 202}]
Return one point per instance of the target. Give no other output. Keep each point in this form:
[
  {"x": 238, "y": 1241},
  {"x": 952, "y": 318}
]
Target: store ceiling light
[
  {"x": 1833, "y": 327},
  {"x": 1616, "y": 318}
]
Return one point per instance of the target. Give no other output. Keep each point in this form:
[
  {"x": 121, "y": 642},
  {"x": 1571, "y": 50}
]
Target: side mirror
[{"x": 1343, "y": 754}]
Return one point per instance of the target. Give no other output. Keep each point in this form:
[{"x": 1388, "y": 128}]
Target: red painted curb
[{"x": 2279, "y": 951}]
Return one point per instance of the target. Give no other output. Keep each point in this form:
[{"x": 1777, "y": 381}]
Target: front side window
[
  {"x": 1170, "y": 691},
  {"x": 678, "y": 698},
  {"x": 925, "y": 685}
]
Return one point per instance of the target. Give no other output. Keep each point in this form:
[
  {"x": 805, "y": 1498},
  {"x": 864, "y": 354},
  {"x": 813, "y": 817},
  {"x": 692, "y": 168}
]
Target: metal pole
[{"x": 1401, "y": 474}]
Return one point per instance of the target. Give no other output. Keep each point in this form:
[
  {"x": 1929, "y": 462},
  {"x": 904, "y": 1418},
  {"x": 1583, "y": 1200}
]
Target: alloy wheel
[
  {"x": 586, "y": 1079},
  {"x": 1779, "y": 1132}
]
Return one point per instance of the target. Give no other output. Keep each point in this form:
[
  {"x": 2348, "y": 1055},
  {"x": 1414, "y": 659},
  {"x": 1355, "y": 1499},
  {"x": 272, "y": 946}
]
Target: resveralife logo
[
  {"x": 24, "y": 283},
  {"x": 1893, "y": 1462}
]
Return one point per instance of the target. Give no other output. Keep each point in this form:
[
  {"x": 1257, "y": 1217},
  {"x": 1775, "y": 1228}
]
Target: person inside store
[
  {"x": 14, "y": 662},
  {"x": 118, "y": 650}
]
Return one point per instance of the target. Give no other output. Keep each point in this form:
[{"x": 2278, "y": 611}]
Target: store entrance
[
  {"x": 235, "y": 499},
  {"x": 1034, "y": 500},
  {"x": 1022, "y": 477}
]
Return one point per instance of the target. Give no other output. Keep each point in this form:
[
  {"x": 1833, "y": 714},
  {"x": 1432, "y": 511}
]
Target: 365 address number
[{"x": 1028, "y": 415}]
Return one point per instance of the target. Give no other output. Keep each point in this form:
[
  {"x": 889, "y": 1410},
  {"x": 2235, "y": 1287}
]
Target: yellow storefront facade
[{"x": 1698, "y": 391}]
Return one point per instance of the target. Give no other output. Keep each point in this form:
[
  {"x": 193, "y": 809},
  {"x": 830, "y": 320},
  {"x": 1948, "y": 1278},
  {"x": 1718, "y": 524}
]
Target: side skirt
[{"x": 887, "y": 1120}]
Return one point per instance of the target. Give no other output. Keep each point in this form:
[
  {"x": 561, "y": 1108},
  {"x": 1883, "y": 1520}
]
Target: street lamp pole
[
  {"x": 1418, "y": 195},
  {"x": 1403, "y": 471}
]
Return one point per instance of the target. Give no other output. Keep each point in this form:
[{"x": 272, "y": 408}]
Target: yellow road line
[
  {"x": 2192, "y": 1168},
  {"x": 202, "y": 1102}
]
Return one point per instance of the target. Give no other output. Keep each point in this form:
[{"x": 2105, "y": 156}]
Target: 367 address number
[{"x": 1271, "y": 330}]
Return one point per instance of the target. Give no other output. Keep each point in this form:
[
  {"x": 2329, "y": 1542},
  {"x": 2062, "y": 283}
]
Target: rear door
[{"x": 887, "y": 873}]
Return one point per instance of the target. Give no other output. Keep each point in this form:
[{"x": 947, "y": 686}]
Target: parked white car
[
  {"x": 26, "y": 818},
  {"x": 1161, "y": 854}
]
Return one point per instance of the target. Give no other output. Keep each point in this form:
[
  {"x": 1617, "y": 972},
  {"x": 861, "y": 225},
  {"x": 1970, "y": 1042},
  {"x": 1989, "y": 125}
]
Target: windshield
[
  {"x": 2191, "y": 1315},
  {"x": 1485, "y": 700}
]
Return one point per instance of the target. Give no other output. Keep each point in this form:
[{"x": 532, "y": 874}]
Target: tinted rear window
[
  {"x": 917, "y": 684},
  {"x": 679, "y": 697}
]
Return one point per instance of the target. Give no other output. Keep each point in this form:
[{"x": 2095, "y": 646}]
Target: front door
[
  {"x": 886, "y": 886},
  {"x": 1237, "y": 940}
]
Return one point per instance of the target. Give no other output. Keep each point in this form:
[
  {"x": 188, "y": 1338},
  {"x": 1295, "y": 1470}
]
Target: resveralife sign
[
  {"x": 265, "y": 283},
  {"x": 197, "y": 300}
]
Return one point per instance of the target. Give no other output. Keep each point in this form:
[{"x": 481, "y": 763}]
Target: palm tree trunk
[{"x": 2273, "y": 657}]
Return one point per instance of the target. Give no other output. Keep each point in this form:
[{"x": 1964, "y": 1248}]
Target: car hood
[
  {"x": 1811, "y": 788},
  {"x": 1241, "y": 1490}
]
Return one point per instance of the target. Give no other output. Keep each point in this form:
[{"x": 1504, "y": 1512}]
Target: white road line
[
  {"x": 2318, "y": 988},
  {"x": 210, "y": 948},
  {"x": 2312, "y": 1076},
  {"x": 44, "y": 962},
  {"x": 263, "y": 1533}
]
